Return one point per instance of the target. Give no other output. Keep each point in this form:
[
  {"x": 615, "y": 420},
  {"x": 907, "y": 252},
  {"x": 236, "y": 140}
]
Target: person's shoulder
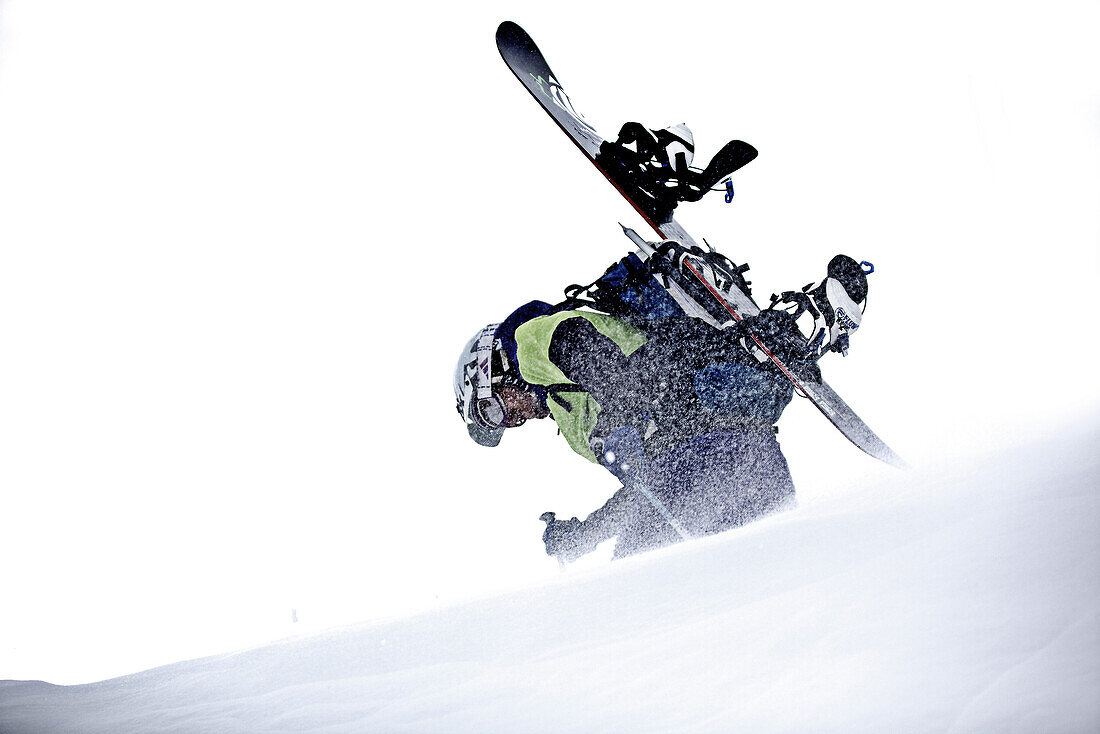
[{"x": 526, "y": 312}]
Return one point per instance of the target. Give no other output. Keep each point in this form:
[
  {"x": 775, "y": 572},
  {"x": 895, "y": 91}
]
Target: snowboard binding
[{"x": 656, "y": 185}]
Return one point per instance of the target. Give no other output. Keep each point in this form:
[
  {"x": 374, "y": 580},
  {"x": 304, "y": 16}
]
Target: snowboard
[{"x": 526, "y": 61}]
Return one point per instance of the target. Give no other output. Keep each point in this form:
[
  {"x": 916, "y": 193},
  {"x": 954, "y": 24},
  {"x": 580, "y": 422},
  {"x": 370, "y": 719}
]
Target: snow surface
[{"x": 957, "y": 599}]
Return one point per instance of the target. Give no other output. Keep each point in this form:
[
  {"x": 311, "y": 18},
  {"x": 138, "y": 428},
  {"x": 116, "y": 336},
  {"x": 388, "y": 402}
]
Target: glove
[{"x": 565, "y": 539}]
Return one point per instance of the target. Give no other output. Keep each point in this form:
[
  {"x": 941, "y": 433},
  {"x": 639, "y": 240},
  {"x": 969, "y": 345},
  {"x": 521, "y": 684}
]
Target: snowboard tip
[{"x": 509, "y": 30}]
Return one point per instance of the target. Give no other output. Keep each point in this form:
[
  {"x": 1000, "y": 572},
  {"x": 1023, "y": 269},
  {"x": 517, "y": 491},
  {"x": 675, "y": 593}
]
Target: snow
[{"x": 962, "y": 598}]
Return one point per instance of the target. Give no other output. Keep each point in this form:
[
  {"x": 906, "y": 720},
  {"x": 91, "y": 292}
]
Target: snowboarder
[
  {"x": 654, "y": 166},
  {"x": 508, "y": 373},
  {"x": 682, "y": 412}
]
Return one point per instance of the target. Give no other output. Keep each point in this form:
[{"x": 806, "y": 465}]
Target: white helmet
[{"x": 473, "y": 383}]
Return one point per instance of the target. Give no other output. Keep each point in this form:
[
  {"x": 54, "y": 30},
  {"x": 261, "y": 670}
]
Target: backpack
[
  {"x": 642, "y": 293},
  {"x": 626, "y": 290}
]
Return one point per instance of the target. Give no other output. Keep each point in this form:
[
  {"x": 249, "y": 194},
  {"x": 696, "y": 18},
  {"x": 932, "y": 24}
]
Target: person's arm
[
  {"x": 620, "y": 385},
  {"x": 568, "y": 540},
  {"x": 592, "y": 360}
]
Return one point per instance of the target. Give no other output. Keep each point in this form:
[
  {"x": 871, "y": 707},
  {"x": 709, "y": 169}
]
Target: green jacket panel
[{"x": 577, "y": 417}]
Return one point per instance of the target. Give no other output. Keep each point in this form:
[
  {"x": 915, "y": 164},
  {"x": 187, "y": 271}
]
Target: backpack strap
[{"x": 553, "y": 392}]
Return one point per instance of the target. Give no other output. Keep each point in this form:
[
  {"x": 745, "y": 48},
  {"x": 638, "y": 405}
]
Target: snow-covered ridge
[{"x": 962, "y": 598}]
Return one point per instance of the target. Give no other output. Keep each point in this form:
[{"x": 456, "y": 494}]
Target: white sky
[{"x": 242, "y": 242}]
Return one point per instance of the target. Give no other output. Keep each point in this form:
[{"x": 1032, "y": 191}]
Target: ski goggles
[{"x": 494, "y": 413}]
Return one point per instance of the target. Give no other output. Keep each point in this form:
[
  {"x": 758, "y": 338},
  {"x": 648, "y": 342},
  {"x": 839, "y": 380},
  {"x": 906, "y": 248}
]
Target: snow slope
[
  {"x": 962, "y": 599},
  {"x": 200, "y": 436}
]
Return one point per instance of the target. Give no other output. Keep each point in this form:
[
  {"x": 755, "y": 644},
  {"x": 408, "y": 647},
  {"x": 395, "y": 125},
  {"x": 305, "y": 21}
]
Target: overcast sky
[{"x": 241, "y": 244}]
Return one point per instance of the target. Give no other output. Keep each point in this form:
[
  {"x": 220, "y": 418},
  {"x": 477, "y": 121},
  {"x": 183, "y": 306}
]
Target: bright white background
[{"x": 242, "y": 242}]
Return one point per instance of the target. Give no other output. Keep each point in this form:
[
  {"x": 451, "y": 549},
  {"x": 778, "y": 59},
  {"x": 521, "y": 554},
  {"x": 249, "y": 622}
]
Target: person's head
[
  {"x": 489, "y": 394},
  {"x": 841, "y": 300}
]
